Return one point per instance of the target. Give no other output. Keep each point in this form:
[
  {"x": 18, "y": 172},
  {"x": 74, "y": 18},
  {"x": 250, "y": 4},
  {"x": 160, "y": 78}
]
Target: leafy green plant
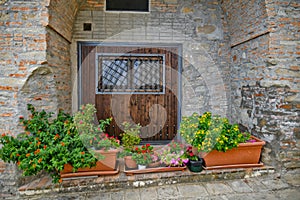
[
  {"x": 93, "y": 135},
  {"x": 142, "y": 155},
  {"x": 208, "y": 132},
  {"x": 130, "y": 138},
  {"x": 46, "y": 145}
]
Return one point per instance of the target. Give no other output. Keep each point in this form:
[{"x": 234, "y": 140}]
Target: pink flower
[{"x": 80, "y": 122}]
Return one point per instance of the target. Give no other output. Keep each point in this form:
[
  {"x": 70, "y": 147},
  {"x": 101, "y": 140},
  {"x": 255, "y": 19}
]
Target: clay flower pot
[{"x": 129, "y": 162}]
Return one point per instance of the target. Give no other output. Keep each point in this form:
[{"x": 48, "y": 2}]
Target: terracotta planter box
[
  {"x": 245, "y": 155},
  {"x": 107, "y": 164}
]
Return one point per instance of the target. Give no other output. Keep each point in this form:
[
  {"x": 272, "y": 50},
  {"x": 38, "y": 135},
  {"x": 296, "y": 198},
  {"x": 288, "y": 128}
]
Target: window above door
[{"x": 128, "y": 5}]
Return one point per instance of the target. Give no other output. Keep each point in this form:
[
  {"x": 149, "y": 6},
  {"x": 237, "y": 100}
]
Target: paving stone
[
  {"x": 256, "y": 185},
  {"x": 168, "y": 192},
  {"x": 192, "y": 190},
  {"x": 275, "y": 184},
  {"x": 217, "y": 188},
  {"x": 289, "y": 194},
  {"x": 248, "y": 196},
  {"x": 239, "y": 186},
  {"x": 100, "y": 196},
  {"x": 117, "y": 195},
  {"x": 132, "y": 194},
  {"x": 148, "y": 193}
]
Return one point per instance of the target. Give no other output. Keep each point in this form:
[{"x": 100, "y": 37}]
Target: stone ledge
[{"x": 121, "y": 181}]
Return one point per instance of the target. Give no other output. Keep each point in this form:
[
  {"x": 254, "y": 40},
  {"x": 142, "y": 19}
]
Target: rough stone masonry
[{"x": 241, "y": 59}]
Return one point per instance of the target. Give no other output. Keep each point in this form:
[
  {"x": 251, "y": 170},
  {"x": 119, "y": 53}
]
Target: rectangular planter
[
  {"x": 245, "y": 155},
  {"x": 106, "y": 164}
]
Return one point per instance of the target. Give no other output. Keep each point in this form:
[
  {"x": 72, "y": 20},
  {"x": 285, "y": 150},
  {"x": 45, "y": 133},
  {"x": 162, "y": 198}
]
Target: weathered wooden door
[{"x": 133, "y": 84}]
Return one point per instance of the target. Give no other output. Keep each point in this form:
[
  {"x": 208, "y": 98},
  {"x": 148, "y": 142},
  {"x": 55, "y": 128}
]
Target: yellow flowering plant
[{"x": 208, "y": 132}]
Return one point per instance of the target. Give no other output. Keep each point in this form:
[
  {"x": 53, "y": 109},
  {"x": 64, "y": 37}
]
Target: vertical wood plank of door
[{"x": 140, "y": 111}]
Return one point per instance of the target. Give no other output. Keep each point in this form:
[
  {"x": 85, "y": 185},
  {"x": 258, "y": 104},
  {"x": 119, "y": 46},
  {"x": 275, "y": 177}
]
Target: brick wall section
[
  {"x": 197, "y": 25},
  {"x": 22, "y": 49},
  {"x": 245, "y": 18},
  {"x": 265, "y": 76},
  {"x": 284, "y": 73},
  {"x": 58, "y": 57},
  {"x": 61, "y": 16},
  {"x": 34, "y": 66}
]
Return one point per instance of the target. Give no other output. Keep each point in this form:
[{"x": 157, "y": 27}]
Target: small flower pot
[
  {"x": 195, "y": 166},
  {"x": 129, "y": 162},
  {"x": 141, "y": 167}
]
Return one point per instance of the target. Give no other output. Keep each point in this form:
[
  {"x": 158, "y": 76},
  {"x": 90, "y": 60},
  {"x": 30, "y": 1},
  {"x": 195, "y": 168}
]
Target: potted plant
[
  {"x": 172, "y": 155},
  {"x": 155, "y": 160},
  {"x": 48, "y": 143},
  {"x": 220, "y": 143},
  {"x": 130, "y": 138},
  {"x": 195, "y": 162},
  {"x": 142, "y": 156},
  {"x": 100, "y": 144}
]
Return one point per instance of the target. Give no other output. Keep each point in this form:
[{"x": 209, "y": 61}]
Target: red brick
[
  {"x": 18, "y": 75},
  {"x": 6, "y": 115},
  {"x": 286, "y": 106},
  {"x": 6, "y": 88}
]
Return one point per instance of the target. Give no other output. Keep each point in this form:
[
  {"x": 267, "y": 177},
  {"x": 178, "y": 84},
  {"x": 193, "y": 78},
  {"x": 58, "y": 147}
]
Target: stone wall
[
  {"x": 34, "y": 66},
  {"x": 265, "y": 76},
  {"x": 198, "y": 26}
]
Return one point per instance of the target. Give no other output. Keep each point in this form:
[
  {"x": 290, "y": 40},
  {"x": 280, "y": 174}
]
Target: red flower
[
  {"x": 3, "y": 134},
  {"x": 62, "y": 144},
  {"x": 21, "y": 117},
  {"x": 147, "y": 145},
  {"x": 82, "y": 153},
  {"x": 191, "y": 154},
  {"x": 18, "y": 154},
  {"x": 45, "y": 146}
]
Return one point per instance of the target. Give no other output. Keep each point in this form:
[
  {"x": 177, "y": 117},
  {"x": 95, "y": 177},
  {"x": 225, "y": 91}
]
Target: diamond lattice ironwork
[{"x": 131, "y": 73}]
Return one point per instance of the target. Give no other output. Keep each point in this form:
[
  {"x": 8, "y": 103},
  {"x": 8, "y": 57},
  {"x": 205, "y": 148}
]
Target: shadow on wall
[{"x": 39, "y": 90}]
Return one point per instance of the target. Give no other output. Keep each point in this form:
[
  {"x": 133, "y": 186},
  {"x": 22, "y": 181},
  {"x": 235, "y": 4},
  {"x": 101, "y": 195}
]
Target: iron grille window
[{"x": 130, "y": 73}]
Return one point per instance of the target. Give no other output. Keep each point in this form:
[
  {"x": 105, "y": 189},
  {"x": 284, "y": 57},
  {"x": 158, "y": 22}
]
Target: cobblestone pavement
[{"x": 251, "y": 188}]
